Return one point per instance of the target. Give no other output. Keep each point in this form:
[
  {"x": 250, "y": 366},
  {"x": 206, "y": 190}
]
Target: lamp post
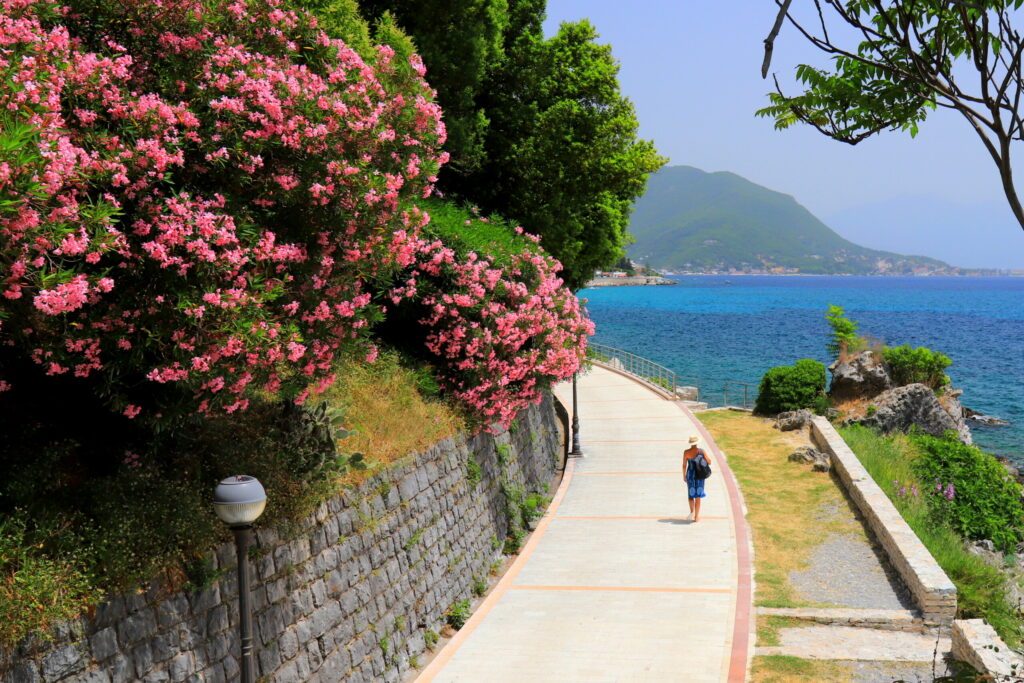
[
  {"x": 575, "y": 452},
  {"x": 239, "y": 501}
]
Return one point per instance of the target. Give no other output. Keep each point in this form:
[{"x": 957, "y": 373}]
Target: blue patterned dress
[{"x": 694, "y": 486}]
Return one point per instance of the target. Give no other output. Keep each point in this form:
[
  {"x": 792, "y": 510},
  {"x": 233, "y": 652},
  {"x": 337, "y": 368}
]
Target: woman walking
[{"x": 694, "y": 484}]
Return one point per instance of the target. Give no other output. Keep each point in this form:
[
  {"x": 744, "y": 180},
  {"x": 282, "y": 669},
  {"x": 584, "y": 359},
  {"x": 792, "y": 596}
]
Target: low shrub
[
  {"x": 907, "y": 365},
  {"x": 970, "y": 490},
  {"x": 822, "y": 406},
  {"x": 37, "y": 590},
  {"x": 458, "y": 614},
  {"x": 790, "y": 387}
]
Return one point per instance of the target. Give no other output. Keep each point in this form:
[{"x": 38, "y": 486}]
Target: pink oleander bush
[
  {"x": 499, "y": 328},
  {"x": 199, "y": 196}
]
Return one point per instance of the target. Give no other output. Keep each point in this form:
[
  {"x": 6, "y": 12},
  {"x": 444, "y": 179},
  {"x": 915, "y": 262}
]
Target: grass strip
[{"x": 981, "y": 587}]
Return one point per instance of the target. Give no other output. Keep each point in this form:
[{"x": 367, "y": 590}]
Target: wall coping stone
[
  {"x": 931, "y": 589},
  {"x": 977, "y": 643}
]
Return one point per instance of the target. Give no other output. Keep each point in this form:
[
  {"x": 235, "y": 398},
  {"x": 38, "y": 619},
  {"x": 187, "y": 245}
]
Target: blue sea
[{"x": 711, "y": 329}]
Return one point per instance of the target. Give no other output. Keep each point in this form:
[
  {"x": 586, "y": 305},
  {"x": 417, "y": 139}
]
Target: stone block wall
[
  {"x": 352, "y": 595},
  {"x": 977, "y": 643},
  {"x": 933, "y": 592}
]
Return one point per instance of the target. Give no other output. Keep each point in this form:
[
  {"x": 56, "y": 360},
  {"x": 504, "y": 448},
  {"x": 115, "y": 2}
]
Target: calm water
[{"x": 717, "y": 328}]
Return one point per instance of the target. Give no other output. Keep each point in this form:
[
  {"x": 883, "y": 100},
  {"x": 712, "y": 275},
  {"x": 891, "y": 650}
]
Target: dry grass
[
  {"x": 784, "y": 669},
  {"x": 784, "y": 501},
  {"x": 388, "y": 414}
]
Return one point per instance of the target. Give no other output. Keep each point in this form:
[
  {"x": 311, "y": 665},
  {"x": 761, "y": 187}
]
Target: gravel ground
[
  {"x": 888, "y": 672},
  {"x": 849, "y": 571},
  {"x": 846, "y": 571}
]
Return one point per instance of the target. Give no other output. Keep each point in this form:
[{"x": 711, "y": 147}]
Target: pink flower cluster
[
  {"x": 499, "y": 334},
  {"x": 203, "y": 197}
]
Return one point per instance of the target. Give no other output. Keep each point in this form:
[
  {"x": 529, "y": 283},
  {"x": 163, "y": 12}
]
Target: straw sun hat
[{"x": 693, "y": 440}]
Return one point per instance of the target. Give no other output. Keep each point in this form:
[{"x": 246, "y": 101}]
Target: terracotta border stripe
[
  {"x": 740, "y": 657},
  {"x": 448, "y": 651},
  {"x": 621, "y": 589}
]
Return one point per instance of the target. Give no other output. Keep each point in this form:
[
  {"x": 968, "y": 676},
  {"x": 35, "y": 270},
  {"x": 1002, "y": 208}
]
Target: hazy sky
[{"x": 692, "y": 67}]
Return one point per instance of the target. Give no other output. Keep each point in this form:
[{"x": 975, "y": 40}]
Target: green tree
[
  {"x": 563, "y": 157},
  {"x": 844, "y": 332},
  {"x": 342, "y": 19},
  {"x": 460, "y": 42},
  {"x": 908, "y": 58}
]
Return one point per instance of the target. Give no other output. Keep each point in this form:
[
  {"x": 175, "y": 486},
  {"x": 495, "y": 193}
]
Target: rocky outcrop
[
  {"x": 897, "y": 410},
  {"x": 793, "y": 419},
  {"x": 861, "y": 376},
  {"x": 820, "y": 462},
  {"x": 950, "y": 402},
  {"x": 864, "y": 377}
]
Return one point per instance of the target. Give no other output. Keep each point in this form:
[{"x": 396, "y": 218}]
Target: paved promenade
[{"x": 615, "y": 584}]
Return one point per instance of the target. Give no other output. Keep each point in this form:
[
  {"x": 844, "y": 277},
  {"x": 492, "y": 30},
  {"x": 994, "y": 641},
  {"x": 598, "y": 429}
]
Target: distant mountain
[
  {"x": 690, "y": 220},
  {"x": 979, "y": 234}
]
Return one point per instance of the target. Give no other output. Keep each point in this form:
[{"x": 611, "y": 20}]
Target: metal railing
[
  {"x": 737, "y": 389},
  {"x": 643, "y": 368},
  {"x": 733, "y": 392}
]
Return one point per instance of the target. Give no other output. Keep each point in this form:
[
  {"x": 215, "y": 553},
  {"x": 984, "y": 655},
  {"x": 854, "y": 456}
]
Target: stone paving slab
[
  {"x": 638, "y": 494},
  {"x": 887, "y": 619},
  {"x": 577, "y": 554},
  {"x": 848, "y": 642},
  {"x": 615, "y": 585},
  {"x": 586, "y": 636}
]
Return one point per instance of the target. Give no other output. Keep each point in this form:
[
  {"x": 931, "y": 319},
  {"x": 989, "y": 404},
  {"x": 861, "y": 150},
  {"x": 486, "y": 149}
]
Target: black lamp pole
[
  {"x": 575, "y": 452},
  {"x": 243, "y": 539},
  {"x": 239, "y": 501}
]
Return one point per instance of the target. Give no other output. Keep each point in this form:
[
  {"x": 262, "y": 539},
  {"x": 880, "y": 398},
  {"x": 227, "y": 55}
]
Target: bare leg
[
  {"x": 696, "y": 506},
  {"x": 690, "y": 501}
]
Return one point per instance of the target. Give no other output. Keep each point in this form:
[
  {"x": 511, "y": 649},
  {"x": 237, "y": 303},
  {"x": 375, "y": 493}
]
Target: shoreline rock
[
  {"x": 865, "y": 377},
  {"x": 982, "y": 419},
  {"x": 897, "y": 410}
]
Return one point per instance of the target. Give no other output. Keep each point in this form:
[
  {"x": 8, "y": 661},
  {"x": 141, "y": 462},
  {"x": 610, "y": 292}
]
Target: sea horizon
[{"x": 712, "y": 330}]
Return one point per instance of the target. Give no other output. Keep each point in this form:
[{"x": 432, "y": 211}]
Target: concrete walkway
[{"x": 615, "y": 584}]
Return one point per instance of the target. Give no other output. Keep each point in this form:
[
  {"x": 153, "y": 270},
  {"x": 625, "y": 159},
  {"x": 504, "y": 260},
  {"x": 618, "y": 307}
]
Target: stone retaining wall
[
  {"x": 933, "y": 592},
  {"x": 353, "y": 596},
  {"x": 977, "y": 643}
]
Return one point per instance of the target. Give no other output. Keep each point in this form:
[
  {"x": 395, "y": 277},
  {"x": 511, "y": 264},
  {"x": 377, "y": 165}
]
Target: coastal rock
[
  {"x": 896, "y": 410},
  {"x": 820, "y": 462},
  {"x": 981, "y": 418},
  {"x": 950, "y": 402},
  {"x": 861, "y": 376},
  {"x": 793, "y": 419}
]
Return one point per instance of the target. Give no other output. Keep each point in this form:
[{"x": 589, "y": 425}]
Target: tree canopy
[
  {"x": 563, "y": 156},
  {"x": 549, "y": 141},
  {"x": 908, "y": 58},
  {"x": 460, "y": 42}
]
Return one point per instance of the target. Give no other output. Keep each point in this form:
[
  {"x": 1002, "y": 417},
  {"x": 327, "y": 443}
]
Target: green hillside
[{"x": 690, "y": 220}]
